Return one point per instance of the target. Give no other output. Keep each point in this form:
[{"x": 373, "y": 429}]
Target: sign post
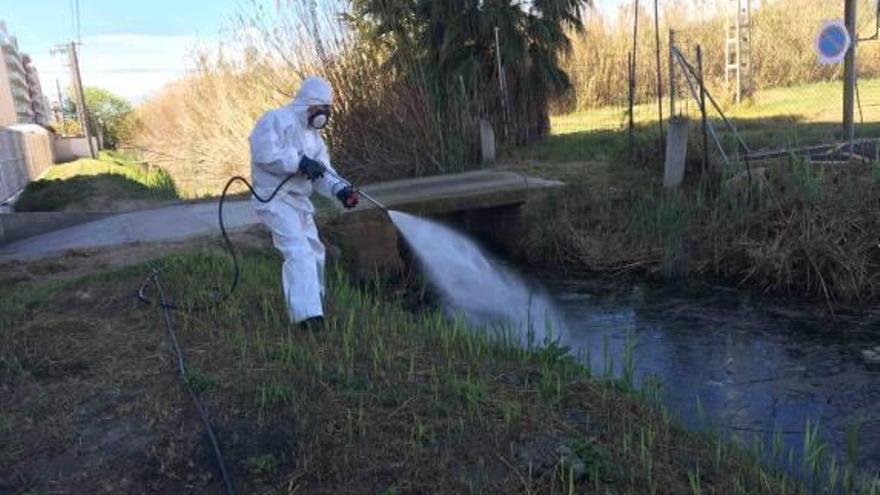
[
  {"x": 835, "y": 43},
  {"x": 849, "y": 88}
]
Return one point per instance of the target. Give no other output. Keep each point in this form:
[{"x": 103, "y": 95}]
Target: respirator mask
[{"x": 319, "y": 117}]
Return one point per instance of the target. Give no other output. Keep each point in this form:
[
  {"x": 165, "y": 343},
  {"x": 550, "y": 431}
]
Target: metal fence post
[
  {"x": 705, "y": 122},
  {"x": 849, "y": 83}
]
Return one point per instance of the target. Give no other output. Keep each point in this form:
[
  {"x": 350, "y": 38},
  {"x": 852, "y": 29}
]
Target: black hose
[
  {"x": 181, "y": 368},
  {"x": 167, "y": 306},
  {"x": 236, "y": 269}
]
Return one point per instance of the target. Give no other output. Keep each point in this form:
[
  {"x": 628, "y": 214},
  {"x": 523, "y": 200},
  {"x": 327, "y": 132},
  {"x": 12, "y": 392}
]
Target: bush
[{"x": 110, "y": 113}]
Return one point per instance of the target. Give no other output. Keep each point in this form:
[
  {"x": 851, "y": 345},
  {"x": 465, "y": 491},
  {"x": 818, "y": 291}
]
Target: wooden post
[
  {"x": 502, "y": 84},
  {"x": 659, "y": 68},
  {"x": 671, "y": 73},
  {"x": 632, "y": 89},
  {"x": 635, "y": 51}
]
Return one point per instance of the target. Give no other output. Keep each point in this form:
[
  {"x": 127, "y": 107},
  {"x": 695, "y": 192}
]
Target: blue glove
[{"x": 312, "y": 169}]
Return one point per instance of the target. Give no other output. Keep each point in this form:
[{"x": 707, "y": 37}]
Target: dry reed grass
[{"x": 384, "y": 124}]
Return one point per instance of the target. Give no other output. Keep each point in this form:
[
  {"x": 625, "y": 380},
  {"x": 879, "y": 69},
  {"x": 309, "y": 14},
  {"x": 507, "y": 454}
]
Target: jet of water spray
[{"x": 471, "y": 282}]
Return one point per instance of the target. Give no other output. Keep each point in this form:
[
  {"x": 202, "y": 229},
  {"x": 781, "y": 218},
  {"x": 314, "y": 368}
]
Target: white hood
[{"x": 314, "y": 91}]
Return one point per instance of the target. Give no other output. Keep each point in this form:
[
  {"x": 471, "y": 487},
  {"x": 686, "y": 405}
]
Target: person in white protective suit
[{"x": 284, "y": 142}]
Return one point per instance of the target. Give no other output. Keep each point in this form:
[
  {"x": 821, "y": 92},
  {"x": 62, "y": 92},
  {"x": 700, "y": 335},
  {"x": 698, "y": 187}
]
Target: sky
[{"x": 130, "y": 47}]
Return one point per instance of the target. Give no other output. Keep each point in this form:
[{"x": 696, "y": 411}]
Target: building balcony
[
  {"x": 13, "y": 61},
  {"x": 16, "y": 78},
  {"x": 19, "y": 96}
]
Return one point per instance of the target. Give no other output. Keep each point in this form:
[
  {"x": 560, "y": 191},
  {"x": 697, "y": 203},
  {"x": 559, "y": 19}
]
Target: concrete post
[
  {"x": 487, "y": 142},
  {"x": 676, "y": 152}
]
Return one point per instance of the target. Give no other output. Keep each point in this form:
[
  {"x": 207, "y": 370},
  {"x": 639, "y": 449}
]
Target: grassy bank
[
  {"x": 380, "y": 401},
  {"x": 115, "y": 181},
  {"x": 796, "y": 228}
]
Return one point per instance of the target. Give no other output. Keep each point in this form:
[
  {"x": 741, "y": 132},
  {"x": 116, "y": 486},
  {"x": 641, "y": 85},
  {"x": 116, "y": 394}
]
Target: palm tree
[{"x": 453, "y": 43}]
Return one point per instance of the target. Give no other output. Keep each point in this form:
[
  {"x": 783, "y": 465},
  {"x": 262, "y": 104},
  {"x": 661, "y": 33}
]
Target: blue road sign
[{"x": 833, "y": 42}]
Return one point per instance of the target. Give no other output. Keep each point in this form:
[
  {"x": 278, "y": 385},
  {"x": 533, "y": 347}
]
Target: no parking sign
[{"x": 832, "y": 42}]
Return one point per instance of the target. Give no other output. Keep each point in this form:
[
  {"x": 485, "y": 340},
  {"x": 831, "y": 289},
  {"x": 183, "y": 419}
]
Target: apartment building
[{"x": 21, "y": 94}]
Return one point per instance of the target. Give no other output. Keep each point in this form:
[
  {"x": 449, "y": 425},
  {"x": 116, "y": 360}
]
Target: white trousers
[{"x": 295, "y": 235}]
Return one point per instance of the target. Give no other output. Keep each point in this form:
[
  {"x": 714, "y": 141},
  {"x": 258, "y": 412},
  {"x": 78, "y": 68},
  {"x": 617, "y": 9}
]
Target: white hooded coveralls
[{"x": 278, "y": 142}]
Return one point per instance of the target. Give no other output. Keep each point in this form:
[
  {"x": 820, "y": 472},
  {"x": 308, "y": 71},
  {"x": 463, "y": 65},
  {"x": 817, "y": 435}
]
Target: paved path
[
  {"x": 427, "y": 195},
  {"x": 160, "y": 224}
]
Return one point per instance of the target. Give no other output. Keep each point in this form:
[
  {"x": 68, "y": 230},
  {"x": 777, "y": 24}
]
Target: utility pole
[
  {"x": 60, "y": 115},
  {"x": 849, "y": 78},
  {"x": 80, "y": 96}
]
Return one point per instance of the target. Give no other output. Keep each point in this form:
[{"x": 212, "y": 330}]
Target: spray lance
[{"x": 359, "y": 192}]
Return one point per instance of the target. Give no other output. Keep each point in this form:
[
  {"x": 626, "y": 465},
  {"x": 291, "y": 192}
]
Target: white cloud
[{"x": 130, "y": 65}]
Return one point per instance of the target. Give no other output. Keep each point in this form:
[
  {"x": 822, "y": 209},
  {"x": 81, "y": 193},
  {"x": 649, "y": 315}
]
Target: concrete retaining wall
[{"x": 25, "y": 153}]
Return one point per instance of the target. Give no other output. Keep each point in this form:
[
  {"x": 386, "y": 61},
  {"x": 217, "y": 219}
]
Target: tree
[
  {"x": 454, "y": 41},
  {"x": 110, "y": 113}
]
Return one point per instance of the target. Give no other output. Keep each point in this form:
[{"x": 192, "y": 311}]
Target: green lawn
[
  {"x": 774, "y": 119},
  {"x": 113, "y": 181}
]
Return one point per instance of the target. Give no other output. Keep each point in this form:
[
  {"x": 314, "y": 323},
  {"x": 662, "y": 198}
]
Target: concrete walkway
[
  {"x": 162, "y": 224},
  {"x": 424, "y": 196}
]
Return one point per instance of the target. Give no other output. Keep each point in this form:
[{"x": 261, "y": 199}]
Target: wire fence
[{"x": 788, "y": 99}]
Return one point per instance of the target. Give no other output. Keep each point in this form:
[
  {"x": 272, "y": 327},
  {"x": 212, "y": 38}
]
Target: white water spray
[{"x": 474, "y": 284}]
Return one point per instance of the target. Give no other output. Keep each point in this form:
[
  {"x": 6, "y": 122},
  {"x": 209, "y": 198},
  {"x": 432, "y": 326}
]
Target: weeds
[
  {"x": 263, "y": 465},
  {"x": 797, "y": 228},
  {"x": 275, "y": 393},
  {"x": 199, "y": 382},
  {"x": 418, "y": 387}
]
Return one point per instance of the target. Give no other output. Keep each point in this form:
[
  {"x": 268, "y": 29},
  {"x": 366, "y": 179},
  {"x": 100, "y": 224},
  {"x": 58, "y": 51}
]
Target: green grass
[
  {"x": 775, "y": 118},
  {"x": 617, "y": 217},
  {"x": 110, "y": 182},
  {"x": 428, "y": 403}
]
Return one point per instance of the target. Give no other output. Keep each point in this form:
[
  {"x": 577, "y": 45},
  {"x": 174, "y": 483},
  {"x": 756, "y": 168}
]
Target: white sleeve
[
  {"x": 329, "y": 184},
  {"x": 269, "y": 152}
]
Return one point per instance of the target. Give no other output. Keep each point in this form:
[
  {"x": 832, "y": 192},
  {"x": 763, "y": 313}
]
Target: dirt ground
[{"x": 100, "y": 404}]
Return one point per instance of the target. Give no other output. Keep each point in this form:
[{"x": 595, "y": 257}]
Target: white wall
[
  {"x": 25, "y": 154},
  {"x": 68, "y": 149}
]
